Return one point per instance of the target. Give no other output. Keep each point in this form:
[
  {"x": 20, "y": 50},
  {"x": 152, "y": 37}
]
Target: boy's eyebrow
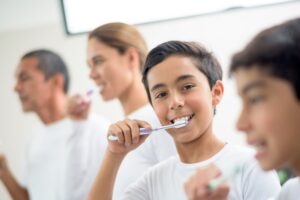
[
  {"x": 155, "y": 87},
  {"x": 183, "y": 77},
  {"x": 256, "y": 84},
  {"x": 180, "y": 78},
  {"x": 96, "y": 57}
]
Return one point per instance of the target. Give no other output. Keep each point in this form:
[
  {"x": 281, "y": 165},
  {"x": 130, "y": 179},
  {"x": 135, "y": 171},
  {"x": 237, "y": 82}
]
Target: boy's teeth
[
  {"x": 259, "y": 145},
  {"x": 182, "y": 118}
]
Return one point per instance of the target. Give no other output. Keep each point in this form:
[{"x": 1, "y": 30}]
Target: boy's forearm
[
  {"x": 104, "y": 184},
  {"x": 16, "y": 191}
]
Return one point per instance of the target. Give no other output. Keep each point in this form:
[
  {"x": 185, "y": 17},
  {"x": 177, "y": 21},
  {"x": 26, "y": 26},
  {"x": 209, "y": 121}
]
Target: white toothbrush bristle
[{"x": 181, "y": 122}]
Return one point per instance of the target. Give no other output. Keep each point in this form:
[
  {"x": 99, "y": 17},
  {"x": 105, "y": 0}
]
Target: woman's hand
[{"x": 78, "y": 107}]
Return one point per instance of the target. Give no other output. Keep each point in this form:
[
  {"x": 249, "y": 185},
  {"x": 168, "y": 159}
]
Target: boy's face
[
  {"x": 178, "y": 89},
  {"x": 270, "y": 117}
]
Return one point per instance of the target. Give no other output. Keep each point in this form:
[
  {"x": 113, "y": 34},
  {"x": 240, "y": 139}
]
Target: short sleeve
[
  {"x": 258, "y": 184},
  {"x": 139, "y": 190}
]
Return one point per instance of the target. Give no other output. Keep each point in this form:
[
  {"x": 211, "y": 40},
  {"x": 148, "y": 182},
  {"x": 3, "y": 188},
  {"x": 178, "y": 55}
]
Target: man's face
[
  {"x": 33, "y": 90},
  {"x": 270, "y": 117}
]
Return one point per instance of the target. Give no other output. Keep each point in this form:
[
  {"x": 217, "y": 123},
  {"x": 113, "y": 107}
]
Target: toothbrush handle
[{"x": 143, "y": 131}]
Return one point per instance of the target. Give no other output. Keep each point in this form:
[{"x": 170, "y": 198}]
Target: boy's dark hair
[
  {"x": 276, "y": 51},
  {"x": 50, "y": 64},
  {"x": 203, "y": 60}
]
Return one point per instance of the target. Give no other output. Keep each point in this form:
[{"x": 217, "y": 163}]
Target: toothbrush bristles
[{"x": 180, "y": 123}]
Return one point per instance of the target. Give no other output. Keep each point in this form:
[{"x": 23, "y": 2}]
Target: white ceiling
[
  {"x": 24, "y": 14},
  {"x": 21, "y": 14}
]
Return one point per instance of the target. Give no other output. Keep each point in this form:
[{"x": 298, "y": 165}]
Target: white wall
[{"x": 223, "y": 33}]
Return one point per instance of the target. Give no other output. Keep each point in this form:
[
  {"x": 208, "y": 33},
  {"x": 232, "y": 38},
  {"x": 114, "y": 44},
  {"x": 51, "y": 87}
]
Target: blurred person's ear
[
  {"x": 133, "y": 58},
  {"x": 57, "y": 81}
]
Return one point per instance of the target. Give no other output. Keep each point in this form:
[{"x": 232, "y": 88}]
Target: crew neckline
[{"x": 212, "y": 159}]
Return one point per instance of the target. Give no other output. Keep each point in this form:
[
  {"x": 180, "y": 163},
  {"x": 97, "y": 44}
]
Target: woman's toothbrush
[
  {"x": 87, "y": 97},
  {"x": 143, "y": 131}
]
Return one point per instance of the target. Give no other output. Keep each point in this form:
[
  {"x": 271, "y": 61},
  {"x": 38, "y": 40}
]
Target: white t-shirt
[
  {"x": 166, "y": 179},
  {"x": 290, "y": 190},
  {"x": 63, "y": 158},
  {"x": 158, "y": 147}
]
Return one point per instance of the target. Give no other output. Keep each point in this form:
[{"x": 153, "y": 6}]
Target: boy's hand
[
  {"x": 78, "y": 107},
  {"x": 196, "y": 187},
  {"x": 128, "y": 134}
]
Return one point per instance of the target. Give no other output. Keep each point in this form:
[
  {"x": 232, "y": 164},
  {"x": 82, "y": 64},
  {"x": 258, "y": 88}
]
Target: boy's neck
[
  {"x": 200, "y": 149},
  {"x": 296, "y": 167}
]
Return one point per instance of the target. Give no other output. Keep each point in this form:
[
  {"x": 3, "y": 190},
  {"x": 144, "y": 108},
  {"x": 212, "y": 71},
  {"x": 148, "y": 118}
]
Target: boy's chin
[{"x": 268, "y": 165}]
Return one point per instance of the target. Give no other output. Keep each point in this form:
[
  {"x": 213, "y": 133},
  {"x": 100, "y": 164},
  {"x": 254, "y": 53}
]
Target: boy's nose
[
  {"x": 242, "y": 123},
  {"x": 177, "y": 101}
]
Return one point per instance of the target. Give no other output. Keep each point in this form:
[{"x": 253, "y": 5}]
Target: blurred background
[{"x": 29, "y": 24}]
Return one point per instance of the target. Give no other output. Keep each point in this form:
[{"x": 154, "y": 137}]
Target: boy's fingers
[
  {"x": 126, "y": 131},
  {"x": 197, "y": 186},
  {"x": 143, "y": 124},
  {"x": 191, "y": 187},
  {"x": 221, "y": 192},
  {"x": 117, "y": 131},
  {"x": 135, "y": 131}
]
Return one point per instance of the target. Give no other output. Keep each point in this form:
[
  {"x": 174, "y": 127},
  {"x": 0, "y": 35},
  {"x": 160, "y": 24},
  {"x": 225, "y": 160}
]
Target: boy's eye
[
  {"x": 255, "y": 100},
  {"x": 188, "y": 87},
  {"x": 98, "y": 61},
  {"x": 160, "y": 95},
  {"x": 24, "y": 78}
]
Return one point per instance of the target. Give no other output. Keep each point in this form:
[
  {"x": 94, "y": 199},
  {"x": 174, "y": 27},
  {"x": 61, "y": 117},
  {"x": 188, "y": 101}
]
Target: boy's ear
[{"x": 217, "y": 93}]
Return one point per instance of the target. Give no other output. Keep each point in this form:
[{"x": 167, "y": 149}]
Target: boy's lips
[
  {"x": 261, "y": 147},
  {"x": 23, "y": 98}
]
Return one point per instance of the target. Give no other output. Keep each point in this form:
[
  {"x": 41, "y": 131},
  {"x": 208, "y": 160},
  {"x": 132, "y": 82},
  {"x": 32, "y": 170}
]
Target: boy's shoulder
[
  {"x": 290, "y": 189},
  {"x": 237, "y": 155},
  {"x": 166, "y": 164},
  {"x": 163, "y": 168},
  {"x": 237, "y": 152}
]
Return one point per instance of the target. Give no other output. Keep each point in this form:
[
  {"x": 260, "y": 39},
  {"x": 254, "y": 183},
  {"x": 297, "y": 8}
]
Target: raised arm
[
  {"x": 16, "y": 191},
  {"x": 129, "y": 138},
  {"x": 196, "y": 187},
  {"x": 78, "y": 107}
]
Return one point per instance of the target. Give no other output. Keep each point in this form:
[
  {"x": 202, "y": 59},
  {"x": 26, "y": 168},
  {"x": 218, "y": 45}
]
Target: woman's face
[
  {"x": 179, "y": 90},
  {"x": 110, "y": 70}
]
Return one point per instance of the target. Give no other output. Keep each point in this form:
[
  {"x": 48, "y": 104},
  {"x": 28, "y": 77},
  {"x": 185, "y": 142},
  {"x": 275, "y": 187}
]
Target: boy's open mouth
[{"x": 187, "y": 118}]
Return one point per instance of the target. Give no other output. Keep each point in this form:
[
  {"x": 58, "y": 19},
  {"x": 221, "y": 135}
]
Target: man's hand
[{"x": 197, "y": 188}]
